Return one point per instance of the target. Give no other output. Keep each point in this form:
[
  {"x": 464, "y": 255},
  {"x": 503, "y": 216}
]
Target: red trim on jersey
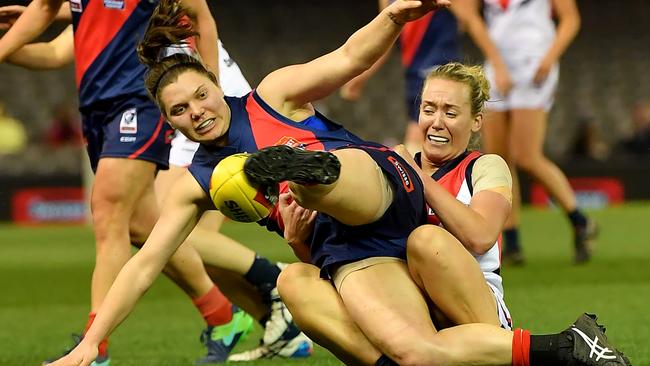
[
  {"x": 96, "y": 29},
  {"x": 411, "y": 37},
  {"x": 504, "y": 4},
  {"x": 453, "y": 181},
  {"x": 268, "y": 131},
  {"x": 153, "y": 138}
]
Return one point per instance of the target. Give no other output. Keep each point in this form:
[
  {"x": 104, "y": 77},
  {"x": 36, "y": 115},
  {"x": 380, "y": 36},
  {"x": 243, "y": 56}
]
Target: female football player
[{"x": 369, "y": 199}]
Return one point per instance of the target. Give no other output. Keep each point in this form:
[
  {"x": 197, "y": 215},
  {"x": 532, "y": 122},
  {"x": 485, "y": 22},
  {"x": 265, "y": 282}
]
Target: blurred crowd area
[{"x": 601, "y": 113}]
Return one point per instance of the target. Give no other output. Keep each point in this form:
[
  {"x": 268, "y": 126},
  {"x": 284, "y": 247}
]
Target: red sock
[
  {"x": 521, "y": 348},
  {"x": 215, "y": 308},
  {"x": 103, "y": 345}
]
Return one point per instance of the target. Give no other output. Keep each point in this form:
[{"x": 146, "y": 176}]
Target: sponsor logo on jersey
[
  {"x": 75, "y": 5},
  {"x": 127, "y": 139},
  {"x": 406, "y": 178},
  {"x": 114, "y": 4},
  {"x": 290, "y": 141},
  {"x": 129, "y": 121}
]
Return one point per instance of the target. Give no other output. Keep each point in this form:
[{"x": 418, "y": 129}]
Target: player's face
[
  {"x": 195, "y": 106},
  {"x": 446, "y": 120}
]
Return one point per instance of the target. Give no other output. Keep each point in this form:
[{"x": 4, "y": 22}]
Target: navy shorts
[
  {"x": 334, "y": 244},
  {"x": 129, "y": 128}
]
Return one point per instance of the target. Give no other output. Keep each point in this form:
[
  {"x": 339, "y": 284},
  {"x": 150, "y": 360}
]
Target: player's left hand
[
  {"x": 9, "y": 14},
  {"x": 543, "y": 70},
  {"x": 298, "y": 224}
]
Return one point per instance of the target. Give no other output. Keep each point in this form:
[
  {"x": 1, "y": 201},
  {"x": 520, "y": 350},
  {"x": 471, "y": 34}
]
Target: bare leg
[
  {"x": 319, "y": 311},
  {"x": 226, "y": 260},
  {"x": 119, "y": 184},
  {"x": 528, "y": 132},
  {"x": 358, "y": 196},
  {"x": 388, "y": 307},
  {"x": 451, "y": 277}
]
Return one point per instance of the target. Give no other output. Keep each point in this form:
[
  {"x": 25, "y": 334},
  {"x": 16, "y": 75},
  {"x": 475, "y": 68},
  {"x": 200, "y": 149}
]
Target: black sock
[
  {"x": 577, "y": 218},
  {"x": 264, "y": 276},
  {"x": 385, "y": 361},
  {"x": 511, "y": 239},
  {"x": 551, "y": 349}
]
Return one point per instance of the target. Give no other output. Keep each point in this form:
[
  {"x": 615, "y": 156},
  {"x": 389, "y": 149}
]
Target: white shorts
[
  {"x": 525, "y": 94},
  {"x": 233, "y": 83},
  {"x": 502, "y": 309}
]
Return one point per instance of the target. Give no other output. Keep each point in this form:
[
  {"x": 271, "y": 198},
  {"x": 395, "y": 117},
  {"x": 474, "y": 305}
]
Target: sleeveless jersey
[
  {"x": 255, "y": 125},
  {"x": 520, "y": 28},
  {"x": 456, "y": 178},
  {"x": 106, "y": 33}
]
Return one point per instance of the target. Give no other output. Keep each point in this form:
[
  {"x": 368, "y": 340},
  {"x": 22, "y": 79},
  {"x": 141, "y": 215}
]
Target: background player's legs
[
  {"x": 496, "y": 140},
  {"x": 527, "y": 139},
  {"x": 320, "y": 313},
  {"x": 527, "y": 142},
  {"x": 119, "y": 185},
  {"x": 359, "y": 196},
  {"x": 450, "y": 276}
]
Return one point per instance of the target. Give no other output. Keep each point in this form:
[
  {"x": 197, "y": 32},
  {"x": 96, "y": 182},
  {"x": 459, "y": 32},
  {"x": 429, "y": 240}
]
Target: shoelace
[{"x": 595, "y": 348}]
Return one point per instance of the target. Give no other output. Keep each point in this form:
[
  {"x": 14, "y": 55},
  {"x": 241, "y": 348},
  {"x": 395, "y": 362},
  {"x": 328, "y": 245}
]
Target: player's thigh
[
  {"x": 527, "y": 134},
  {"x": 387, "y": 305},
  {"x": 121, "y": 182},
  {"x": 495, "y": 133}
]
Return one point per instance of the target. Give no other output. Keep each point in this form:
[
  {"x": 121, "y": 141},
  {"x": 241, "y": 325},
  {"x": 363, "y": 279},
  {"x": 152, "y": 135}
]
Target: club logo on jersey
[
  {"x": 406, "y": 178},
  {"x": 75, "y": 5},
  {"x": 114, "y": 4},
  {"x": 290, "y": 141},
  {"x": 129, "y": 121}
]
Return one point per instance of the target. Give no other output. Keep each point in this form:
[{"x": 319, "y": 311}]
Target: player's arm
[
  {"x": 205, "y": 25},
  {"x": 478, "y": 225},
  {"x": 46, "y": 55},
  {"x": 353, "y": 89},
  {"x": 178, "y": 217},
  {"x": 467, "y": 13},
  {"x": 36, "y": 18},
  {"x": 567, "y": 27},
  {"x": 291, "y": 89}
]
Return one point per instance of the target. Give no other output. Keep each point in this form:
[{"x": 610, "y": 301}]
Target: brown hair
[
  {"x": 169, "y": 25},
  {"x": 472, "y": 76}
]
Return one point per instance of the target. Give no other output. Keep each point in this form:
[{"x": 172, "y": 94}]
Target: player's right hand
[
  {"x": 404, "y": 11},
  {"x": 9, "y": 14}
]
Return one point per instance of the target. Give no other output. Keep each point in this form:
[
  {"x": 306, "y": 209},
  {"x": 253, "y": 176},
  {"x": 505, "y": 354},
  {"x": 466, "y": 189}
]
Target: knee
[
  {"x": 291, "y": 283},
  {"x": 526, "y": 162},
  {"x": 428, "y": 243}
]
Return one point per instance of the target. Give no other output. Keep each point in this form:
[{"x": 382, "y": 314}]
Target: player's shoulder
[{"x": 491, "y": 160}]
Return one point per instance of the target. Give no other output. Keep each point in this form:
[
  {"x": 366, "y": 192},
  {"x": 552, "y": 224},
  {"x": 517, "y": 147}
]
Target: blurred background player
[
  {"x": 246, "y": 278},
  {"x": 126, "y": 142},
  {"x": 515, "y": 126},
  {"x": 426, "y": 43}
]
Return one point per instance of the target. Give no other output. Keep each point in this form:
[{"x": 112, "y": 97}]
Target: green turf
[{"x": 45, "y": 275}]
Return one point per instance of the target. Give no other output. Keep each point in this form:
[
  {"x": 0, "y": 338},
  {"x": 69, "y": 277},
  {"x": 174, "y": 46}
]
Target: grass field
[{"x": 45, "y": 275}]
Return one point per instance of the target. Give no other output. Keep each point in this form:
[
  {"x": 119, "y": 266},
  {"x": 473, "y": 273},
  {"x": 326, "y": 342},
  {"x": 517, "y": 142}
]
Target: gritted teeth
[
  {"x": 205, "y": 123},
  {"x": 437, "y": 138}
]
